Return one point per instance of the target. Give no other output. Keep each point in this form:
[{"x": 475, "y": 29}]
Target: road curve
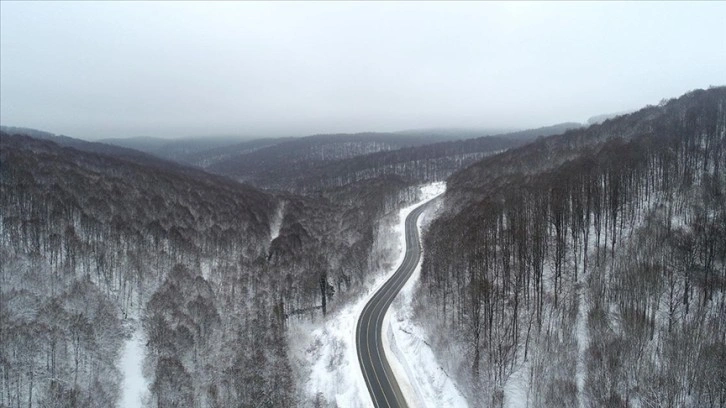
[{"x": 381, "y": 382}]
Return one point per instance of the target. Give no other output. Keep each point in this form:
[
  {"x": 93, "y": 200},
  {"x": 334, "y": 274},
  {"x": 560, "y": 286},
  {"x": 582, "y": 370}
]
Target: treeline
[
  {"x": 590, "y": 266},
  {"x": 91, "y": 242}
]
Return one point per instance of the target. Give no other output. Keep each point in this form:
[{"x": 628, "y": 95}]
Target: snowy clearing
[{"x": 134, "y": 384}]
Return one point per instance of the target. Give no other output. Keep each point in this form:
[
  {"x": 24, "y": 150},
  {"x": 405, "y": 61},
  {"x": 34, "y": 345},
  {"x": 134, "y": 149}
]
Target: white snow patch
[
  {"x": 330, "y": 351},
  {"x": 430, "y": 191},
  {"x": 276, "y": 222},
  {"x": 516, "y": 390},
  {"x": 206, "y": 268},
  {"x": 423, "y": 381},
  {"x": 134, "y": 386},
  {"x": 583, "y": 342}
]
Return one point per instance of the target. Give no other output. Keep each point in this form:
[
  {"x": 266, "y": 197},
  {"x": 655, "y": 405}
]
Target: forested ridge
[
  {"x": 91, "y": 244},
  {"x": 194, "y": 151},
  {"x": 118, "y": 152},
  {"x": 265, "y": 166},
  {"x": 317, "y": 163},
  {"x": 313, "y": 164},
  {"x": 419, "y": 164},
  {"x": 589, "y": 268}
]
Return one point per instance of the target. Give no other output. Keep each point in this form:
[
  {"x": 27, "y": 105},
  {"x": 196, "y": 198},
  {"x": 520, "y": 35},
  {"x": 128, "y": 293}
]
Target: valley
[
  {"x": 254, "y": 204},
  {"x": 555, "y": 269}
]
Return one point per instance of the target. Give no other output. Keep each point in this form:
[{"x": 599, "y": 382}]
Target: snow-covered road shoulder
[{"x": 423, "y": 381}]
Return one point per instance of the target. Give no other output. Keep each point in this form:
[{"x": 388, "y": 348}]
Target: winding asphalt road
[{"x": 381, "y": 382}]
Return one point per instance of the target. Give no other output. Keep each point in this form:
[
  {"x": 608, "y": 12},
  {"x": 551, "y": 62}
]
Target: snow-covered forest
[
  {"x": 352, "y": 204},
  {"x": 97, "y": 248},
  {"x": 584, "y": 268},
  {"x": 589, "y": 269}
]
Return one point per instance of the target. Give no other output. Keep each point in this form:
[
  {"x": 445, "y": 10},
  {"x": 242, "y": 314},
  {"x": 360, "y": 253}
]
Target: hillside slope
[
  {"x": 86, "y": 240},
  {"x": 94, "y": 246},
  {"x": 589, "y": 268}
]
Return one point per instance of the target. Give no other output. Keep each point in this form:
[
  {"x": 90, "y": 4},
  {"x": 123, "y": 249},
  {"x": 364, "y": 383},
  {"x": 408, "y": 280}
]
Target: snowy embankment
[
  {"x": 423, "y": 381},
  {"x": 326, "y": 349}
]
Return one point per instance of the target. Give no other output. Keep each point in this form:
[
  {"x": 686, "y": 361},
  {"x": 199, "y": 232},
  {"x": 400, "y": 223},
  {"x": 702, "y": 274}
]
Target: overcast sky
[{"x": 111, "y": 69}]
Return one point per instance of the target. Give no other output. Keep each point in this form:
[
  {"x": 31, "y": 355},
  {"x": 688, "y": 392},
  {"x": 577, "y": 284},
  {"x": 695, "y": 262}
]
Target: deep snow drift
[{"x": 326, "y": 352}]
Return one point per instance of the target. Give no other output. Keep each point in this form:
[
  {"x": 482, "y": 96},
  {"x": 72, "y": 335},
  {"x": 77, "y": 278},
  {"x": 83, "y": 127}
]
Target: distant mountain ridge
[
  {"x": 210, "y": 151},
  {"x": 312, "y": 163},
  {"x": 320, "y": 147},
  {"x": 303, "y": 165},
  {"x": 194, "y": 151},
  {"x": 86, "y": 146}
]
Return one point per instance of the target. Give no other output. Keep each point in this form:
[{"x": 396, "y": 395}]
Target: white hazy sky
[{"x": 118, "y": 69}]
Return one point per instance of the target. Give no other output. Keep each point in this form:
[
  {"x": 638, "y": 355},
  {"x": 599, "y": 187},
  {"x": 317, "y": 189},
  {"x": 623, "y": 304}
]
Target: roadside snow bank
[
  {"x": 327, "y": 348},
  {"x": 423, "y": 381}
]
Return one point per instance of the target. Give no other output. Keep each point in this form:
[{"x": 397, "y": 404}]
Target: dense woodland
[
  {"x": 91, "y": 243},
  {"x": 589, "y": 268}
]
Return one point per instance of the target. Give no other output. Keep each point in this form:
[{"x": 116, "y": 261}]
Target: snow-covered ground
[
  {"x": 327, "y": 349},
  {"x": 134, "y": 384}
]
